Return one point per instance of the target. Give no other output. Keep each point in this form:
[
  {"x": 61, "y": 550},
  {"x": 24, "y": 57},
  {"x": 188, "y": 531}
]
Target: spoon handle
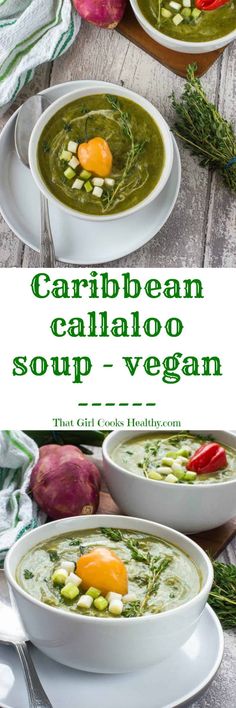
[
  {"x": 47, "y": 253},
  {"x": 36, "y": 693}
]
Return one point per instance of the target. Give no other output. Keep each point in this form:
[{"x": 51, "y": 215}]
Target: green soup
[
  {"x": 162, "y": 456},
  {"x": 134, "y": 141},
  {"x": 206, "y": 26},
  {"x": 160, "y": 575}
]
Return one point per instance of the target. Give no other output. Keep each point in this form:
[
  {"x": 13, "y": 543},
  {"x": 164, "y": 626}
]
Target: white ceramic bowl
[
  {"x": 186, "y": 507},
  {"x": 82, "y": 93},
  {"x": 108, "y": 645},
  {"x": 178, "y": 45}
]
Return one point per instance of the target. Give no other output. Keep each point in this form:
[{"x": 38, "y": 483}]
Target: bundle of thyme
[
  {"x": 222, "y": 597},
  {"x": 204, "y": 131}
]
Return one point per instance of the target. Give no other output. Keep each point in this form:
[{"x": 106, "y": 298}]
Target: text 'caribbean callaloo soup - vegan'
[
  {"x": 182, "y": 458},
  {"x": 101, "y": 154},
  {"x": 109, "y": 573},
  {"x": 191, "y": 20}
]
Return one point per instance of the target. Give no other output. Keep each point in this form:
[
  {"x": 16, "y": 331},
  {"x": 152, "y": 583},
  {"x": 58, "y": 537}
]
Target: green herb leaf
[
  {"x": 67, "y": 127},
  {"x": 53, "y": 556},
  {"x": 75, "y": 542},
  {"x": 27, "y": 574},
  {"x": 113, "y": 534}
]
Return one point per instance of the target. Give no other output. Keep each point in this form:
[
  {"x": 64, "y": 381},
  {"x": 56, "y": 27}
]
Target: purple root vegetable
[
  {"x": 103, "y": 13},
  {"x": 64, "y": 482}
]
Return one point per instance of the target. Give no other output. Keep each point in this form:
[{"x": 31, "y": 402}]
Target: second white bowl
[{"x": 187, "y": 508}]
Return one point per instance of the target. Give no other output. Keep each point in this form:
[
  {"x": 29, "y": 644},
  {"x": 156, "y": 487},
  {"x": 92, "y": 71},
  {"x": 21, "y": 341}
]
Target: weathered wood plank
[
  {"x": 11, "y": 249},
  {"x": 221, "y": 226},
  {"x": 99, "y": 54}
]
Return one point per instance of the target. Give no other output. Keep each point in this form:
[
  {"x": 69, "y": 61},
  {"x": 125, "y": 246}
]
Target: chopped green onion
[
  {"x": 100, "y": 603},
  {"x": 85, "y": 174},
  {"x": 72, "y": 146},
  {"x": 196, "y": 13},
  {"x": 190, "y": 476},
  {"x": 165, "y": 13},
  {"x": 93, "y": 592},
  {"x": 70, "y": 591},
  {"x": 85, "y": 602},
  {"x": 69, "y": 173},
  {"x": 177, "y": 19},
  {"x": 154, "y": 475},
  {"x": 66, "y": 155},
  {"x": 97, "y": 192},
  {"x": 59, "y": 576},
  {"x": 88, "y": 186},
  {"x": 175, "y": 5},
  {"x": 171, "y": 478}
]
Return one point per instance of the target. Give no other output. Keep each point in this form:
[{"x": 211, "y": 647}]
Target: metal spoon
[
  {"x": 26, "y": 119},
  {"x": 12, "y": 632}
]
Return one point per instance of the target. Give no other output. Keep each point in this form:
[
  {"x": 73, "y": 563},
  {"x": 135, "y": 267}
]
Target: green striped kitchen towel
[
  {"x": 18, "y": 512},
  {"x": 32, "y": 32}
]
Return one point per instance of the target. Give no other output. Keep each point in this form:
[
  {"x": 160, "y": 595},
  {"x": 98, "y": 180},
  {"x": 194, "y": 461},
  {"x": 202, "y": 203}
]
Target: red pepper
[
  {"x": 210, "y": 457},
  {"x": 206, "y": 5}
]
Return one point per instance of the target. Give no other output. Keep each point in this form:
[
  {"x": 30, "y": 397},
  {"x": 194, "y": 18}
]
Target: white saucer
[
  {"x": 172, "y": 683},
  {"x": 77, "y": 241}
]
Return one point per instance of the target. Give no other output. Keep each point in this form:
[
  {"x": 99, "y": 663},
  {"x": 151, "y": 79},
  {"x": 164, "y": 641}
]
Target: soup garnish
[
  {"x": 182, "y": 458},
  {"x": 191, "y": 20},
  {"x": 109, "y": 573},
  {"x": 101, "y": 154}
]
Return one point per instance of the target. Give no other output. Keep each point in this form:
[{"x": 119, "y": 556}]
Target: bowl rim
[
  {"x": 161, "y": 483},
  {"x": 116, "y": 89},
  {"x": 211, "y": 43},
  {"x": 106, "y": 520}
]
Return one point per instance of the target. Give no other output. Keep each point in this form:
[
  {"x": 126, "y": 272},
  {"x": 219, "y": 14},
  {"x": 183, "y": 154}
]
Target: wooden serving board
[
  {"x": 175, "y": 61},
  {"x": 213, "y": 541}
]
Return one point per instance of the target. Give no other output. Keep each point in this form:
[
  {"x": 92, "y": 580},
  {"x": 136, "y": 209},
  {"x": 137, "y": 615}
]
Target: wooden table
[{"x": 202, "y": 229}]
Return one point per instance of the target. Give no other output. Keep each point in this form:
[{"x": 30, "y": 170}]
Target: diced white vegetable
[
  {"x": 109, "y": 182},
  {"x": 163, "y": 470},
  {"x": 75, "y": 579},
  {"x": 97, "y": 192},
  {"x": 177, "y": 19},
  {"x": 98, "y": 181},
  {"x": 181, "y": 460},
  {"x": 186, "y": 3},
  {"x": 130, "y": 597},
  {"x": 176, "y": 467},
  {"x": 165, "y": 13},
  {"x": 72, "y": 146},
  {"x": 113, "y": 596},
  {"x": 66, "y": 155},
  {"x": 77, "y": 184},
  {"x": 85, "y": 601},
  {"x": 68, "y": 565},
  {"x": 116, "y": 607},
  {"x": 175, "y": 5},
  {"x": 74, "y": 162},
  {"x": 171, "y": 478}
]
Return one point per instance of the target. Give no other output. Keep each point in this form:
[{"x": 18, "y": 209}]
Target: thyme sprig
[
  {"x": 222, "y": 597},
  {"x": 132, "y": 154},
  {"x": 203, "y": 129},
  {"x": 156, "y": 565}
]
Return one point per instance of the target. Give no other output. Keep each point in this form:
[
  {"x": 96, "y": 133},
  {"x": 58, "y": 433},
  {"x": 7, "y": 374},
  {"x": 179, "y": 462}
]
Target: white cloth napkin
[
  {"x": 32, "y": 32},
  {"x": 18, "y": 512}
]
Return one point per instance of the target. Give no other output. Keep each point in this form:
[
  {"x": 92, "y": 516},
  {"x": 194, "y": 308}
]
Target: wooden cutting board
[
  {"x": 212, "y": 541},
  {"x": 175, "y": 61}
]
